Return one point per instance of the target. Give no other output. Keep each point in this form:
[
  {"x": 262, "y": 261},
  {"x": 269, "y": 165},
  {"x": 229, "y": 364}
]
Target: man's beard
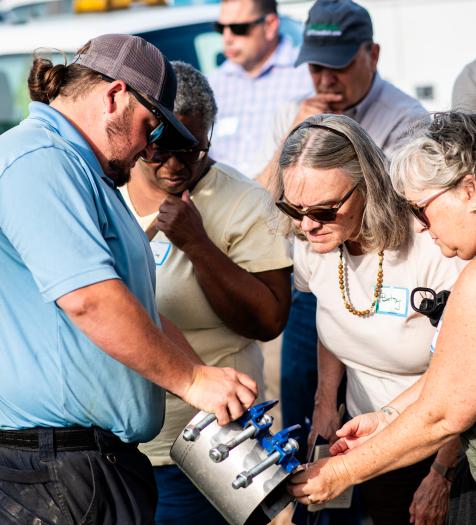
[
  {"x": 119, "y": 173},
  {"x": 118, "y": 133}
]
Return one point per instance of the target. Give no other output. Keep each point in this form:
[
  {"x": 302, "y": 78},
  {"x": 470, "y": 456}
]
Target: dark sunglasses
[
  {"x": 239, "y": 29},
  {"x": 155, "y": 134},
  {"x": 315, "y": 213},
  {"x": 185, "y": 156},
  {"x": 418, "y": 209}
]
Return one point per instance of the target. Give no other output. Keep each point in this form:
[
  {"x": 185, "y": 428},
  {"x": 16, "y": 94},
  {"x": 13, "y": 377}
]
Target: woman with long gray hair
[{"x": 361, "y": 260}]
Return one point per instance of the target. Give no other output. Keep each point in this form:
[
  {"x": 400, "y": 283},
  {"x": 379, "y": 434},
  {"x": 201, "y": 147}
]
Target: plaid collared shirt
[
  {"x": 386, "y": 113},
  {"x": 246, "y": 105}
]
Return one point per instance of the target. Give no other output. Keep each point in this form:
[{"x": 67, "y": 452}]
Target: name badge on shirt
[
  {"x": 226, "y": 126},
  {"x": 435, "y": 337},
  {"x": 393, "y": 300},
  {"x": 161, "y": 251}
]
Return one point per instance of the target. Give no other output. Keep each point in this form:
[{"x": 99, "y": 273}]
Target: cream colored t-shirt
[
  {"x": 387, "y": 352},
  {"x": 236, "y": 215}
]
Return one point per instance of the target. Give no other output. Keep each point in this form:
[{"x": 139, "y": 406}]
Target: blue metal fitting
[
  {"x": 254, "y": 416},
  {"x": 283, "y": 443}
]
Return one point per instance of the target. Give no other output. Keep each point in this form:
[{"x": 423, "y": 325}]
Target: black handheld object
[{"x": 431, "y": 303}]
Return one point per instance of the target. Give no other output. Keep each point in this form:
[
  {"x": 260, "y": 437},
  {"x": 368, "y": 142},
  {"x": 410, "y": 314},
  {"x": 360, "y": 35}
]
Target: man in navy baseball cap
[
  {"x": 334, "y": 33},
  {"x": 342, "y": 57}
]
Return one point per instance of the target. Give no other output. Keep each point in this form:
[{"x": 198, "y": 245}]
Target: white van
[
  {"x": 182, "y": 33},
  {"x": 425, "y": 43}
]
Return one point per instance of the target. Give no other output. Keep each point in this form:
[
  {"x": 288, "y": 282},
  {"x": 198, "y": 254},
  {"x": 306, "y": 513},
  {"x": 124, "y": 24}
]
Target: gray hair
[
  {"x": 194, "y": 94},
  {"x": 436, "y": 155},
  {"x": 337, "y": 141}
]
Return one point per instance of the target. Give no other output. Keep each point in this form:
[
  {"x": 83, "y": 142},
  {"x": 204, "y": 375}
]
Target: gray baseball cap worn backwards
[
  {"x": 144, "y": 69},
  {"x": 334, "y": 32}
]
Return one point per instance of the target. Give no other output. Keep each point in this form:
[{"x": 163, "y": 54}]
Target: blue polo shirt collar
[{"x": 59, "y": 124}]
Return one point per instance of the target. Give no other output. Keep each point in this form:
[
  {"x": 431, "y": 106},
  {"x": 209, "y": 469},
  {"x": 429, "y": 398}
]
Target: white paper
[
  {"x": 341, "y": 502},
  {"x": 161, "y": 251},
  {"x": 226, "y": 126},
  {"x": 393, "y": 300}
]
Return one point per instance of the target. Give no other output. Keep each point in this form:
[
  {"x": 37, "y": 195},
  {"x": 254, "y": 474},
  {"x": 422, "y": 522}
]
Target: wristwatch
[{"x": 447, "y": 472}]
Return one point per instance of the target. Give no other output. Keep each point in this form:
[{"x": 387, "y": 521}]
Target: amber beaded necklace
[{"x": 378, "y": 286}]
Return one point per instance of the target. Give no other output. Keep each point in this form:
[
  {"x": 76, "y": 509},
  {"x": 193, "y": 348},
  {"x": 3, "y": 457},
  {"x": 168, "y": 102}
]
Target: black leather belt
[{"x": 75, "y": 438}]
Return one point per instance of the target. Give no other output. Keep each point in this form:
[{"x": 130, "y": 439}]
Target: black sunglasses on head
[
  {"x": 315, "y": 213},
  {"x": 156, "y": 133},
  {"x": 239, "y": 29}
]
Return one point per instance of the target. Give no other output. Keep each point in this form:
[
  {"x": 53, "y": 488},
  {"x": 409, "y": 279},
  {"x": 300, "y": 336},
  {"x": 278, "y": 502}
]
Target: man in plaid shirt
[{"x": 257, "y": 78}]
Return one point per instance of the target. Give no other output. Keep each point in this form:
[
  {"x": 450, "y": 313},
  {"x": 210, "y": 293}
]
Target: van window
[
  {"x": 14, "y": 101},
  {"x": 14, "y": 98},
  {"x": 197, "y": 44}
]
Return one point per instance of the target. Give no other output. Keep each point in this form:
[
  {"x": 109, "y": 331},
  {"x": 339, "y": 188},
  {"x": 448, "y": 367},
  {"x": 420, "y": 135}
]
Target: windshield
[
  {"x": 14, "y": 96},
  {"x": 197, "y": 44}
]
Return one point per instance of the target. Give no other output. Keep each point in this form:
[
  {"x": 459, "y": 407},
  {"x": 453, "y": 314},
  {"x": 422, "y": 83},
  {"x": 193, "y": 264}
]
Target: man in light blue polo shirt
[{"x": 84, "y": 362}]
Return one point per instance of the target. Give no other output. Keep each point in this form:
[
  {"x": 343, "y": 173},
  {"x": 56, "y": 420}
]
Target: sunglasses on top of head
[
  {"x": 315, "y": 213},
  {"x": 239, "y": 29},
  {"x": 156, "y": 133}
]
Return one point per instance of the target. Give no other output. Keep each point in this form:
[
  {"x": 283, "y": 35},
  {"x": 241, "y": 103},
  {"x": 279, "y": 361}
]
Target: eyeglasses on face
[
  {"x": 315, "y": 213},
  {"x": 418, "y": 208},
  {"x": 155, "y": 134},
  {"x": 241, "y": 29},
  {"x": 185, "y": 156}
]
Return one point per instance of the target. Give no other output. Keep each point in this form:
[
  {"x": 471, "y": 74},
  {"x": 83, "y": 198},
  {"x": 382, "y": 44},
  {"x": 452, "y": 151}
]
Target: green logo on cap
[{"x": 323, "y": 30}]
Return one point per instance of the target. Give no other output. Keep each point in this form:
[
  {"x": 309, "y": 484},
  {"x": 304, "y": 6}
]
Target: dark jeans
[
  {"x": 299, "y": 366},
  {"x": 388, "y": 497},
  {"x": 180, "y": 503},
  {"x": 112, "y": 485}
]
